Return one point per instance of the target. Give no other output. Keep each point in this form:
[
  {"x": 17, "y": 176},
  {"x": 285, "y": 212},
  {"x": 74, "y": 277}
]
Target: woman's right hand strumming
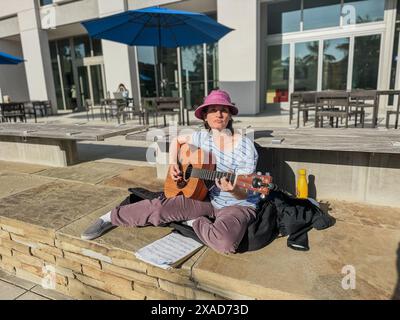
[{"x": 175, "y": 172}]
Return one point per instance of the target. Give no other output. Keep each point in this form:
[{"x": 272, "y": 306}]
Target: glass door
[
  {"x": 97, "y": 83},
  {"x": 91, "y": 83},
  {"x": 68, "y": 84},
  {"x": 193, "y": 75},
  {"x": 335, "y": 64},
  {"x": 278, "y": 63},
  {"x": 84, "y": 85},
  {"x": 306, "y": 66},
  {"x": 169, "y": 83},
  {"x": 326, "y": 64}
]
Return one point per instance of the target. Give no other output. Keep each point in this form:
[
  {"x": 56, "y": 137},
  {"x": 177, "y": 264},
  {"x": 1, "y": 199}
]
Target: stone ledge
[
  {"x": 89, "y": 270},
  {"x": 41, "y": 227}
]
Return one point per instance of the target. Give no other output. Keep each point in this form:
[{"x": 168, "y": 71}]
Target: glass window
[
  {"x": 45, "y": 2},
  {"x": 284, "y": 17},
  {"x": 361, "y": 11},
  {"x": 82, "y": 47},
  {"x": 192, "y": 74},
  {"x": 97, "y": 47},
  {"x": 336, "y": 58},
  {"x": 84, "y": 86},
  {"x": 321, "y": 14},
  {"x": 147, "y": 71},
  {"x": 395, "y": 57},
  {"x": 70, "y": 90},
  {"x": 169, "y": 70},
  {"x": 56, "y": 74},
  {"x": 398, "y": 11},
  {"x": 97, "y": 83},
  {"x": 306, "y": 66},
  {"x": 366, "y": 62},
  {"x": 278, "y": 73},
  {"x": 212, "y": 66}
]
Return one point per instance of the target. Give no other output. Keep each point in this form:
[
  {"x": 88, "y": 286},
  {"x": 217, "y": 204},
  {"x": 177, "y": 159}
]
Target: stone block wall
[{"x": 89, "y": 270}]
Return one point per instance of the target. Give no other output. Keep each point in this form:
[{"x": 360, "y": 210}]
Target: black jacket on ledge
[{"x": 279, "y": 214}]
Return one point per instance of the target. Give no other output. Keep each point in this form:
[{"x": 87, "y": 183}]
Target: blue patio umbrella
[
  {"x": 6, "y": 58},
  {"x": 157, "y": 27}
]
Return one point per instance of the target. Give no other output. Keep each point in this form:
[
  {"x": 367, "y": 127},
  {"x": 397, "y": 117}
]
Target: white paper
[{"x": 168, "y": 250}]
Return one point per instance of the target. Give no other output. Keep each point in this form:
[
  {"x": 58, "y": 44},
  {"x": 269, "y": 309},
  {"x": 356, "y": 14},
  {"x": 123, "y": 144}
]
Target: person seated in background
[{"x": 123, "y": 90}]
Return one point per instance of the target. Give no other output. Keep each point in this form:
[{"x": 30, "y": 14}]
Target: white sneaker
[{"x": 189, "y": 223}]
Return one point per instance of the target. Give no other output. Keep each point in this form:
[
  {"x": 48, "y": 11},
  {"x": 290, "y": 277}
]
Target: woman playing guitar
[{"x": 221, "y": 222}]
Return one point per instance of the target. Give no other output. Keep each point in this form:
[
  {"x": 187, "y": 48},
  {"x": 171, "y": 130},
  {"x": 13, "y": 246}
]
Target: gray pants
[{"x": 223, "y": 235}]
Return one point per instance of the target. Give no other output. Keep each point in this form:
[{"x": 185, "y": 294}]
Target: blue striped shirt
[{"x": 241, "y": 160}]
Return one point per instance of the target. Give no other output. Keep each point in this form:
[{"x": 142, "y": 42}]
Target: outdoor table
[
  {"x": 388, "y": 93},
  {"x": 356, "y": 140},
  {"x": 52, "y": 144}
]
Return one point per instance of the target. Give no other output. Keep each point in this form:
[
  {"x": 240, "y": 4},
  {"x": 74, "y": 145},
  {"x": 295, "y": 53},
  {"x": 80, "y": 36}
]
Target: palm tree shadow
[{"x": 396, "y": 294}]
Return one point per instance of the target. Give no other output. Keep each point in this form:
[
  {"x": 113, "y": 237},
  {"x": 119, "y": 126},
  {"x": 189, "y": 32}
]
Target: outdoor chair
[
  {"x": 304, "y": 102},
  {"x": 168, "y": 106},
  {"x": 186, "y": 110},
  {"x": 90, "y": 108},
  {"x": 396, "y": 113},
  {"x": 295, "y": 100},
  {"x": 40, "y": 108},
  {"x": 47, "y": 107},
  {"x": 114, "y": 108},
  {"x": 361, "y": 100},
  {"x": 12, "y": 111},
  {"x": 134, "y": 110},
  {"x": 149, "y": 109},
  {"x": 37, "y": 108},
  {"x": 30, "y": 110},
  {"x": 332, "y": 104}
]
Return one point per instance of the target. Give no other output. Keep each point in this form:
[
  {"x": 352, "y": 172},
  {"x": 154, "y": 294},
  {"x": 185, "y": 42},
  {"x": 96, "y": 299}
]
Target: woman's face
[{"x": 218, "y": 117}]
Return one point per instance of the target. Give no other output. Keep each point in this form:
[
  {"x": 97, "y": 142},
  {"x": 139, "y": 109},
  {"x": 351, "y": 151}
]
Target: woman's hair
[{"x": 229, "y": 126}]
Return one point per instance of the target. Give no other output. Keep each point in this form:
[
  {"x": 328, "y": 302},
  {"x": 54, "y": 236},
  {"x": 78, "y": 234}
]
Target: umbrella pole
[{"x": 159, "y": 54}]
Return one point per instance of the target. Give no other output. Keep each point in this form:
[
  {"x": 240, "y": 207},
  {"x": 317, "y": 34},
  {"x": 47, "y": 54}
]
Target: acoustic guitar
[{"x": 198, "y": 166}]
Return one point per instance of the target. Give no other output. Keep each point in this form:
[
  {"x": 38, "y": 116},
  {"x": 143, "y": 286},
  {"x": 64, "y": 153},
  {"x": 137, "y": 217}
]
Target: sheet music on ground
[{"x": 169, "y": 251}]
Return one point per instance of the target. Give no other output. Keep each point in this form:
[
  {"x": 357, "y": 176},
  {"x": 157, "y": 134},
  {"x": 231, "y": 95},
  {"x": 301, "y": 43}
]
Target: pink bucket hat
[{"x": 219, "y": 98}]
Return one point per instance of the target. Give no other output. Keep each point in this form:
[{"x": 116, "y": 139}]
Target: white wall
[
  {"x": 35, "y": 46},
  {"x": 71, "y": 12},
  {"x": 139, "y": 4},
  {"x": 195, "y": 5},
  {"x": 239, "y": 56},
  {"x": 9, "y": 8},
  {"x": 12, "y": 77}
]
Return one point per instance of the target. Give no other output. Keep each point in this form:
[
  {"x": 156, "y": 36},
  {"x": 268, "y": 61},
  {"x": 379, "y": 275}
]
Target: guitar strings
[{"x": 210, "y": 175}]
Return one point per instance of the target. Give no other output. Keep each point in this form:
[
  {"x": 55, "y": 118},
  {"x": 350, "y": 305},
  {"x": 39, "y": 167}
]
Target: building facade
[{"x": 277, "y": 47}]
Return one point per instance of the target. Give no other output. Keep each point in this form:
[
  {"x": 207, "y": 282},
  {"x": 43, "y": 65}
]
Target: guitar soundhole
[
  {"x": 181, "y": 184},
  {"x": 188, "y": 172},
  {"x": 186, "y": 176}
]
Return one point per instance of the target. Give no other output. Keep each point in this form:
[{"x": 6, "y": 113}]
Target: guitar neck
[{"x": 211, "y": 175}]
